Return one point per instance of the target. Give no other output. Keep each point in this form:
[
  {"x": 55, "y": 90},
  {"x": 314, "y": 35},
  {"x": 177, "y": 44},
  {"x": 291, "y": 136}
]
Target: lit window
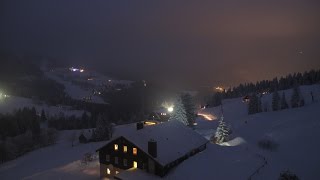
[
  {"x": 116, "y": 147},
  {"x": 117, "y": 172},
  {"x": 108, "y": 157},
  {"x": 135, "y": 164},
  {"x": 134, "y": 151},
  {"x": 125, "y": 162},
  {"x": 116, "y": 160},
  {"x": 108, "y": 171},
  {"x": 125, "y": 149}
]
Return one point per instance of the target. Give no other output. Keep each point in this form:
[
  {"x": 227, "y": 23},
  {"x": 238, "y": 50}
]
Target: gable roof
[{"x": 174, "y": 140}]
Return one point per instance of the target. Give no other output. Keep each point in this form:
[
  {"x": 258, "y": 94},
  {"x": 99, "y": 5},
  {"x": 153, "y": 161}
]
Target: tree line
[
  {"x": 278, "y": 102},
  {"x": 20, "y": 132},
  {"x": 267, "y": 86}
]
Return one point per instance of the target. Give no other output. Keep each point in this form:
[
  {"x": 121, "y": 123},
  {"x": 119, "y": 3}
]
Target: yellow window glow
[
  {"x": 134, "y": 151},
  {"x": 108, "y": 171},
  {"x": 135, "y": 164},
  {"x": 116, "y": 147},
  {"x": 125, "y": 149}
]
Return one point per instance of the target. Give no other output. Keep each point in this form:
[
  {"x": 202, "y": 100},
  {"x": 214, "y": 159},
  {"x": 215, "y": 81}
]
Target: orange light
[
  {"x": 134, "y": 151},
  {"x": 148, "y": 123},
  {"x": 208, "y": 117}
]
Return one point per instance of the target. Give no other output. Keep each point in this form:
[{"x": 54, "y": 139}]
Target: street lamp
[{"x": 170, "y": 109}]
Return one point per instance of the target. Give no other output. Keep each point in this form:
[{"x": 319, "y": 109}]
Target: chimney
[
  {"x": 139, "y": 125},
  {"x": 152, "y": 148}
]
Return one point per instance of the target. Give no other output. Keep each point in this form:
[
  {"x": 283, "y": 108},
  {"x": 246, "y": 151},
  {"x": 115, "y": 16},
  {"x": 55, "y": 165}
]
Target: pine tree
[
  {"x": 275, "y": 101},
  {"x": 295, "y": 98},
  {"x": 85, "y": 120},
  {"x": 259, "y": 105},
  {"x": 102, "y": 129},
  {"x": 43, "y": 116},
  {"x": 284, "y": 104},
  {"x": 189, "y": 107},
  {"x": 179, "y": 113},
  {"x": 222, "y": 132},
  {"x": 253, "y": 106}
]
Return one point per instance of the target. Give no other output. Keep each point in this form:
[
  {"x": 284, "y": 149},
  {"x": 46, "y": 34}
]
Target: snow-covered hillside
[
  {"x": 83, "y": 84},
  {"x": 8, "y": 105},
  {"x": 295, "y": 131},
  {"x": 59, "y": 161}
]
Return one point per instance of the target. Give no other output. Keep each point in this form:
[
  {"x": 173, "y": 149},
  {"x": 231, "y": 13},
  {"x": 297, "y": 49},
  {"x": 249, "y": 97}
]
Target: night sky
[{"x": 199, "y": 43}]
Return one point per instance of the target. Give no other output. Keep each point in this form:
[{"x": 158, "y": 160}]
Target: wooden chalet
[{"x": 153, "y": 149}]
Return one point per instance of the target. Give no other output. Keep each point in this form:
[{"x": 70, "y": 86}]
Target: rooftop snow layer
[{"x": 174, "y": 140}]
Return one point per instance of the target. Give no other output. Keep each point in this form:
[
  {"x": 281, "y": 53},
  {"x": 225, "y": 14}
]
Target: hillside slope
[{"x": 295, "y": 130}]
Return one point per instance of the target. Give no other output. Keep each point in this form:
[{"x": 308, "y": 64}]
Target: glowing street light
[{"x": 170, "y": 109}]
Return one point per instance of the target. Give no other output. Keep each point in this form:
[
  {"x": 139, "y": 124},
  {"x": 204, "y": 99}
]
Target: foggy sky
[{"x": 201, "y": 43}]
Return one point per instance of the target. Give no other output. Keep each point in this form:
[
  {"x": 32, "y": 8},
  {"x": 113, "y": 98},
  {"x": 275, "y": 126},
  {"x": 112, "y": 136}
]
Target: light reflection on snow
[
  {"x": 234, "y": 142},
  {"x": 207, "y": 116}
]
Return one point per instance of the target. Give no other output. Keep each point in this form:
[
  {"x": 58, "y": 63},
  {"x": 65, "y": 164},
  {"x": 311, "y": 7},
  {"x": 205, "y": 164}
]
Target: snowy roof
[{"x": 174, "y": 140}]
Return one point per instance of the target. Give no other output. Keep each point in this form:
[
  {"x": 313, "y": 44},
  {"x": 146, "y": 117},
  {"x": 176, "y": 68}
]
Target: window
[
  {"x": 125, "y": 162},
  {"x": 108, "y": 171},
  {"x": 107, "y": 157},
  {"x": 116, "y": 160},
  {"x": 116, "y": 147},
  {"x": 135, "y": 164},
  {"x": 125, "y": 149},
  {"x": 134, "y": 151}
]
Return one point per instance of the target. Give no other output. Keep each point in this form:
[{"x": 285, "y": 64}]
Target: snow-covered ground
[
  {"x": 86, "y": 85},
  {"x": 75, "y": 91},
  {"x": 8, "y": 105},
  {"x": 296, "y": 131},
  {"x": 59, "y": 161}
]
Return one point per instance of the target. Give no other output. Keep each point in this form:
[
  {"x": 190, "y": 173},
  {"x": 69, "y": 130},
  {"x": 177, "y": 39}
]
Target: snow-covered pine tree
[
  {"x": 189, "y": 107},
  {"x": 283, "y": 104},
  {"x": 295, "y": 98},
  {"x": 179, "y": 113},
  {"x": 222, "y": 132},
  {"x": 275, "y": 101}
]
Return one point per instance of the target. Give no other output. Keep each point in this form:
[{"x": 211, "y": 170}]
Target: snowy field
[
  {"x": 60, "y": 161},
  {"x": 75, "y": 91},
  {"x": 296, "y": 131},
  {"x": 12, "y": 103},
  {"x": 80, "y": 85}
]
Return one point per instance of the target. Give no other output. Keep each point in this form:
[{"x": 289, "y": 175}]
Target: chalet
[
  {"x": 153, "y": 149},
  {"x": 246, "y": 98}
]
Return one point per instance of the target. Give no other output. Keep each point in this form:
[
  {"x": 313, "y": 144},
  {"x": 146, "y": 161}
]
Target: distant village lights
[
  {"x": 76, "y": 69},
  {"x": 219, "y": 89}
]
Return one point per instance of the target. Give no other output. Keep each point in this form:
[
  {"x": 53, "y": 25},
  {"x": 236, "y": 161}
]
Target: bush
[
  {"x": 287, "y": 175},
  {"x": 268, "y": 144}
]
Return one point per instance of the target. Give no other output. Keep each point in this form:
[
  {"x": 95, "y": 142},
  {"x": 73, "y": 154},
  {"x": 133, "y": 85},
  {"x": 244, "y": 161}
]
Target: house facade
[{"x": 150, "y": 149}]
